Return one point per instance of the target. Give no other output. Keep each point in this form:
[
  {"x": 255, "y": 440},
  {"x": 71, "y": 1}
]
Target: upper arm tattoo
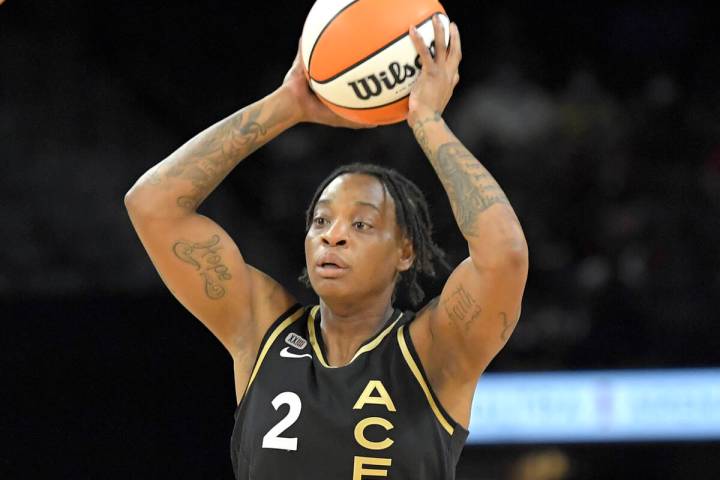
[
  {"x": 508, "y": 327},
  {"x": 205, "y": 257},
  {"x": 462, "y": 309}
]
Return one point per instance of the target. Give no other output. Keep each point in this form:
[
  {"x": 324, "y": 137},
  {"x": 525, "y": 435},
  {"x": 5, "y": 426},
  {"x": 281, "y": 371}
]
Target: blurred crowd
[{"x": 617, "y": 186}]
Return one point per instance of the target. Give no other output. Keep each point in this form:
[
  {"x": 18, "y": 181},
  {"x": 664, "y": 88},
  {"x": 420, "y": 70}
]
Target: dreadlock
[{"x": 413, "y": 218}]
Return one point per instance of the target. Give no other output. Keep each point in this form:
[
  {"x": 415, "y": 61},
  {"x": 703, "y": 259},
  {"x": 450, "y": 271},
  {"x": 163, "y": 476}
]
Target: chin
[{"x": 330, "y": 288}]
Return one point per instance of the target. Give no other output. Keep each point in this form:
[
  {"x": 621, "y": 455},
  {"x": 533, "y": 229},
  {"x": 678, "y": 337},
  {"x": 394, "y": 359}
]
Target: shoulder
[
  {"x": 270, "y": 301},
  {"x": 419, "y": 325}
]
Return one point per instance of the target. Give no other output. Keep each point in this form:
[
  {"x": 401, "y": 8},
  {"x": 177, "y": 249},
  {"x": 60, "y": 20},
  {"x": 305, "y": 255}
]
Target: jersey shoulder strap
[
  {"x": 291, "y": 315},
  {"x": 413, "y": 362}
]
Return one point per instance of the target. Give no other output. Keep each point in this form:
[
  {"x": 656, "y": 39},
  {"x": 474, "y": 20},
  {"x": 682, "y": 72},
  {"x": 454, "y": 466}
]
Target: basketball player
[{"x": 352, "y": 388}]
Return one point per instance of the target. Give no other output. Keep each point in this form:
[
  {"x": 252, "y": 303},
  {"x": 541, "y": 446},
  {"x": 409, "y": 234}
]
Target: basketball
[{"x": 359, "y": 58}]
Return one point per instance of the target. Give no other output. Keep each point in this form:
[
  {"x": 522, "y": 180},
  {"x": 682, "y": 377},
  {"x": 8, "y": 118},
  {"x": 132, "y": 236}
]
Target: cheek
[
  {"x": 308, "y": 248},
  {"x": 384, "y": 255}
]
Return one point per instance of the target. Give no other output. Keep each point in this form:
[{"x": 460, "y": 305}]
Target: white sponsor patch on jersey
[{"x": 295, "y": 340}]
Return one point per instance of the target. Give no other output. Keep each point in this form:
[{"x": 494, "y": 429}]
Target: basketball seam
[
  {"x": 397, "y": 39},
  {"x": 317, "y": 39}
]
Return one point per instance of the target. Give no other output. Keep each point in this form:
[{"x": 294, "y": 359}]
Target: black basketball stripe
[
  {"x": 393, "y": 42},
  {"x": 323, "y": 31}
]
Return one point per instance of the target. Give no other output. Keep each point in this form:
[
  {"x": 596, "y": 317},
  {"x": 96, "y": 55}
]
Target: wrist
[
  {"x": 290, "y": 104},
  {"x": 419, "y": 114}
]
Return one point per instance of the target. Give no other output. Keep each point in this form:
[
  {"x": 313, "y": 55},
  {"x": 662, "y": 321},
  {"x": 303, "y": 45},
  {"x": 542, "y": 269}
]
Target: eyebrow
[{"x": 357, "y": 202}]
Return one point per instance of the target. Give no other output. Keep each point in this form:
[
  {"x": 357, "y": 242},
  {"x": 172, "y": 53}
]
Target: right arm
[{"x": 196, "y": 259}]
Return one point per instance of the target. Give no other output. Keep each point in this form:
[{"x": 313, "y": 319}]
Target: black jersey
[{"x": 377, "y": 416}]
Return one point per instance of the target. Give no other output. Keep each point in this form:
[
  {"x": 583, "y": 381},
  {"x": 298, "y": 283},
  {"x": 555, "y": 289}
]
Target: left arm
[
  {"x": 461, "y": 331},
  {"x": 480, "y": 302}
]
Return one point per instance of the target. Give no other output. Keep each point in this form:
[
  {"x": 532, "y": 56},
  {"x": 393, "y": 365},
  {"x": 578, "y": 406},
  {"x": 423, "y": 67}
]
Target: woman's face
[{"x": 354, "y": 247}]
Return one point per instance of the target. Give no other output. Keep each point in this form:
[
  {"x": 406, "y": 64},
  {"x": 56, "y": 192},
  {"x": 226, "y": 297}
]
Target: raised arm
[
  {"x": 200, "y": 264},
  {"x": 460, "y": 332}
]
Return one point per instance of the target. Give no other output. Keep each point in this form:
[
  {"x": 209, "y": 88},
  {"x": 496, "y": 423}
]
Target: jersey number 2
[{"x": 272, "y": 438}]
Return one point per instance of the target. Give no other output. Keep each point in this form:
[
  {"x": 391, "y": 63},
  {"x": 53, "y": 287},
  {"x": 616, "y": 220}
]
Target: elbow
[
  {"x": 518, "y": 256},
  {"x": 132, "y": 201},
  {"x": 510, "y": 256},
  {"x": 139, "y": 203},
  {"x": 142, "y": 202},
  {"x": 514, "y": 256},
  {"x": 129, "y": 200}
]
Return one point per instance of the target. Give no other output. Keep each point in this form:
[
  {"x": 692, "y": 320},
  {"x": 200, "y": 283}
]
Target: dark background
[{"x": 601, "y": 122}]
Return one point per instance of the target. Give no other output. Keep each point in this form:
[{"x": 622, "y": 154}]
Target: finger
[
  {"x": 455, "y": 54},
  {"x": 420, "y": 46},
  {"x": 440, "y": 49}
]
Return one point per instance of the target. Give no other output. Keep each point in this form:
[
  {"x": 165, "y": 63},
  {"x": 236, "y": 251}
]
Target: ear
[{"x": 407, "y": 255}]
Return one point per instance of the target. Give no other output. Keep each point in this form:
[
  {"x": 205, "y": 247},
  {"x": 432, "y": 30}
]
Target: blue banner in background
[{"x": 597, "y": 406}]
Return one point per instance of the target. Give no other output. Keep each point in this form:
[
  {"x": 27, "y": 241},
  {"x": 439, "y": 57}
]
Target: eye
[
  {"x": 362, "y": 225},
  {"x": 319, "y": 221}
]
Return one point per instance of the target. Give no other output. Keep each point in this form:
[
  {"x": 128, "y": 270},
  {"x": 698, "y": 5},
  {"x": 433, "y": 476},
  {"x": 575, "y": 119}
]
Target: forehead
[{"x": 356, "y": 188}]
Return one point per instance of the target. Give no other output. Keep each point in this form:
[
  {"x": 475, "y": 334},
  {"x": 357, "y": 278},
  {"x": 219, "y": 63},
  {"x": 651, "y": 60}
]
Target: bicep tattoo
[{"x": 207, "y": 261}]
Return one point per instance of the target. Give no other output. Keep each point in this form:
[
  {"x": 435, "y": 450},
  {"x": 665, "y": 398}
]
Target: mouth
[{"x": 330, "y": 270}]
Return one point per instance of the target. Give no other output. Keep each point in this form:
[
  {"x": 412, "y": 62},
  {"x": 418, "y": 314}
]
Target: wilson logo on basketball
[{"x": 396, "y": 74}]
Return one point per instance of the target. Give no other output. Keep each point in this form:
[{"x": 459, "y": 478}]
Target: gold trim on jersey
[
  {"x": 364, "y": 349},
  {"x": 278, "y": 330},
  {"x": 421, "y": 380}
]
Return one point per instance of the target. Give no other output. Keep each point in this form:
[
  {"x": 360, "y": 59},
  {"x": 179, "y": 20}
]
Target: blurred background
[{"x": 600, "y": 120}]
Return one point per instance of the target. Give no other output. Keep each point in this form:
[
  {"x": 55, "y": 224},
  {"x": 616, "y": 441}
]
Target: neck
[{"x": 346, "y": 327}]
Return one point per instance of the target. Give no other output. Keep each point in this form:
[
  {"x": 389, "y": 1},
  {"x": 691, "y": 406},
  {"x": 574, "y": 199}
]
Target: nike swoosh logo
[{"x": 285, "y": 352}]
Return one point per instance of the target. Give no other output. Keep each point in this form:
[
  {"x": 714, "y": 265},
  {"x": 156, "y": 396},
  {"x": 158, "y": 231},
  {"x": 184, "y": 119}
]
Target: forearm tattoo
[
  {"x": 205, "y": 258},
  {"x": 421, "y": 135},
  {"x": 470, "y": 187},
  {"x": 208, "y": 158}
]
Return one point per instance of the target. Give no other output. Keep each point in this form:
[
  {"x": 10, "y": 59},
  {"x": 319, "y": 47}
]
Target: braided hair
[{"x": 413, "y": 218}]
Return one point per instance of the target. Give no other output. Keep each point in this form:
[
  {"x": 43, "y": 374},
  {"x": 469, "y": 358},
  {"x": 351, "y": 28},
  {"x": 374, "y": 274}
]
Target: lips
[
  {"x": 330, "y": 265},
  {"x": 331, "y": 260}
]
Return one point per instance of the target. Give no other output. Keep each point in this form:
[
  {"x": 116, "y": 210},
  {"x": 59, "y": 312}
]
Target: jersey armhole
[
  {"x": 415, "y": 365},
  {"x": 290, "y": 316}
]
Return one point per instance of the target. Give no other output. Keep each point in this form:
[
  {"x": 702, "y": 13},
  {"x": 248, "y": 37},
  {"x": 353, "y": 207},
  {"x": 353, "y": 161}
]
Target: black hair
[{"x": 413, "y": 218}]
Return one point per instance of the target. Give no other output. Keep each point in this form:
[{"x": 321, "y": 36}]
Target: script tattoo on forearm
[
  {"x": 462, "y": 309},
  {"x": 206, "y": 259},
  {"x": 218, "y": 151},
  {"x": 470, "y": 187}
]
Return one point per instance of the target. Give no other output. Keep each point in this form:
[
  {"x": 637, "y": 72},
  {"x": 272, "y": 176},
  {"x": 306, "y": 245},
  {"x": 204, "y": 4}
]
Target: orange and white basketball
[{"x": 360, "y": 60}]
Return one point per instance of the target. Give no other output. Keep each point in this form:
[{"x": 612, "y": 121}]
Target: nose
[{"x": 335, "y": 234}]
